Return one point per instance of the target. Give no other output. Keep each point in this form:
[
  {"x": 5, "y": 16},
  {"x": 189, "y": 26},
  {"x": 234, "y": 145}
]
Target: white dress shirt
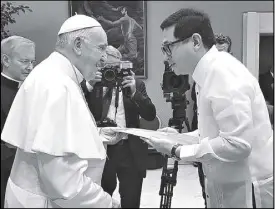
[{"x": 234, "y": 131}]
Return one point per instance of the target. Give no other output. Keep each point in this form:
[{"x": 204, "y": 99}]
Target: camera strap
[{"x": 116, "y": 99}]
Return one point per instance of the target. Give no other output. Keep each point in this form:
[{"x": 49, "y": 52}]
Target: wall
[{"x": 43, "y": 24}]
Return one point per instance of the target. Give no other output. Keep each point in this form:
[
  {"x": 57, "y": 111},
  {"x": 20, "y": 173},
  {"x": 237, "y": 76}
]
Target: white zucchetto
[{"x": 78, "y": 22}]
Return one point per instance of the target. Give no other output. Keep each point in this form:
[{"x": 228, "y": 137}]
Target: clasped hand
[{"x": 111, "y": 136}]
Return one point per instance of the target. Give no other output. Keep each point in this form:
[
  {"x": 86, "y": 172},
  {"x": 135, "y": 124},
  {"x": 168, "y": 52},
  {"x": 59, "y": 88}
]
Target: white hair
[
  {"x": 10, "y": 44},
  {"x": 67, "y": 38},
  {"x": 112, "y": 51}
]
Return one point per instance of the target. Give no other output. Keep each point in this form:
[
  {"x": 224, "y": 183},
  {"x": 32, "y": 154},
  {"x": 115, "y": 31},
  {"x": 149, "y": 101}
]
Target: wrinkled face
[
  {"x": 222, "y": 47},
  {"x": 181, "y": 55},
  {"x": 92, "y": 51},
  {"x": 21, "y": 61}
]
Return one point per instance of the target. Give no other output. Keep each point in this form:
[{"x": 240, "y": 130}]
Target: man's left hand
[{"x": 129, "y": 81}]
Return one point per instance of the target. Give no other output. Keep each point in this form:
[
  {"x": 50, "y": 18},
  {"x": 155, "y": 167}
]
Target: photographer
[
  {"x": 234, "y": 140},
  {"x": 126, "y": 158},
  {"x": 223, "y": 43}
]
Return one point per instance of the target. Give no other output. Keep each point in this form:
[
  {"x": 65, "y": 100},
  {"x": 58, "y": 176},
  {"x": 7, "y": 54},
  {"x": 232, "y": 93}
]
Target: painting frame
[{"x": 143, "y": 74}]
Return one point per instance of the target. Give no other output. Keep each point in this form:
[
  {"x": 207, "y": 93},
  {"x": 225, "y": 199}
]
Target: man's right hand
[
  {"x": 168, "y": 130},
  {"x": 97, "y": 78}
]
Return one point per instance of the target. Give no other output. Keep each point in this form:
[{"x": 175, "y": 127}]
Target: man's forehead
[
  {"x": 168, "y": 34},
  {"x": 24, "y": 47}
]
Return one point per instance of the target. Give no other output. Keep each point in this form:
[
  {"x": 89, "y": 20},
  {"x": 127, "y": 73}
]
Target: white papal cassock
[{"x": 60, "y": 155}]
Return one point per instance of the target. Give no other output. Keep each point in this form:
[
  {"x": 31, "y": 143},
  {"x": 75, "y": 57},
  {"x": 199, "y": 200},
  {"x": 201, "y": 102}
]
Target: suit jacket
[
  {"x": 266, "y": 80},
  {"x": 9, "y": 89},
  {"x": 139, "y": 105}
]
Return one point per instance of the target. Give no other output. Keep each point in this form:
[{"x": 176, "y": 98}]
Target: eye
[{"x": 102, "y": 47}]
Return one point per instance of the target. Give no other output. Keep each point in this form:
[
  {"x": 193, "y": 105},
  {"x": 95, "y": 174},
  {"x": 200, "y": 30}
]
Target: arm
[
  {"x": 110, "y": 23},
  {"x": 231, "y": 106},
  {"x": 138, "y": 25},
  {"x": 144, "y": 104},
  {"x": 87, "y": 8},
  {"x": 107, "y": 6},
  {"x": 66, "y": 183}
]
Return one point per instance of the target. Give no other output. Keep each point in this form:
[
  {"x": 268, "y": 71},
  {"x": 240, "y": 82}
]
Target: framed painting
[{"x": 125, "y": 25}]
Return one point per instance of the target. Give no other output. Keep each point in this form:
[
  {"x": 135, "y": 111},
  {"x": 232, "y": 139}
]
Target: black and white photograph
[{"x": 137, "y": 104}]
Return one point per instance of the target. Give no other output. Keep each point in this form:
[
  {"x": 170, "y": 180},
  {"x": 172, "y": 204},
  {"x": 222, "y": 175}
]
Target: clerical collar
[{"x": 13, "y": 82}]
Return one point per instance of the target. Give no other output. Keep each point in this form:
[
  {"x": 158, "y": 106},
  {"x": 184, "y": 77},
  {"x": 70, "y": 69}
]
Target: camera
[
  {"x": 173, "y": 83},
  {"x": 112, "y": 74},
  {"x": 174, "y": 88},
  {"x": 107, "y": 122}
]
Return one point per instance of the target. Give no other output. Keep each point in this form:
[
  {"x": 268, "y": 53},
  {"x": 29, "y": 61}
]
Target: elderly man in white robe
[
  {"x": 60, "y": 154},
  {"x": 234, "y": 140}
]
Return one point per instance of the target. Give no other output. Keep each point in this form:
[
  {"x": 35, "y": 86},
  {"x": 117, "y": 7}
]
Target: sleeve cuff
[
  {"x": 188, "y": 152},
  {"x": 196, "y": 151},
  {"x": 89, "y": 86},
  {"x": 205, "y": 152}
]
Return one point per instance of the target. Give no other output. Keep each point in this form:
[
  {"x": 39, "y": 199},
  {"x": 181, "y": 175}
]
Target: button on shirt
[{"x": 232, "y": 119}]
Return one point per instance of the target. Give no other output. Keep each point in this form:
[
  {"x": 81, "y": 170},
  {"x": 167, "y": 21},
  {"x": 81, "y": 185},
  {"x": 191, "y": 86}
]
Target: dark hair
[
  {"x": 120, "y": 8},
  {"x": 221, "y": 39},
  {"x": 188, "y": 21}
]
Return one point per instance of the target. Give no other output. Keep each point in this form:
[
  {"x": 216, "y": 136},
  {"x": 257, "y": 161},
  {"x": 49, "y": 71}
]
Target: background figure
[
  {"x": 223, "y": 43},
  {"x": 126, "y": 159},
  {"x": 86, "y": 7},
  {"x": 17, "y": 61},
  {"x": 128, "y": 34},
  {"x": 128, "y": 48},
  {"x": 266, "y": 82}
]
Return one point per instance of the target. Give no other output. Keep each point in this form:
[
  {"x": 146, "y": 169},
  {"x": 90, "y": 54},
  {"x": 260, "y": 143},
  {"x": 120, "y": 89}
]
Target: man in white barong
[
  {"x": 234, "y": 139},
  {"x": 60, "y": 154}
]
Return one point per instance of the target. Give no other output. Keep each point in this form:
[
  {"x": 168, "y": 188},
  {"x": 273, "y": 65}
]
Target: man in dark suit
[
  {"x": 266, "y": 82},
  {"x": 127, "y": 158},
  {"x": 17, "y": 59}
]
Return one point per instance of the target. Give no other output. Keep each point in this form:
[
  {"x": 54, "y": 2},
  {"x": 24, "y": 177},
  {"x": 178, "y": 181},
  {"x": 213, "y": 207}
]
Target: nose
[
  {"x": 30, "y": 66},
  {"x": 104, "y": 57}
]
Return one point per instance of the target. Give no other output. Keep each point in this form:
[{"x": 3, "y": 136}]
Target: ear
[
  {"x": 197, "y": 41},
  {"x": 5, "y": 60},
  {"x": 77, "y": 46}
]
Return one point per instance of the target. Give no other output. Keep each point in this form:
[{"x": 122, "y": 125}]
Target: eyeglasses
[{"x": 165, "y": 48}]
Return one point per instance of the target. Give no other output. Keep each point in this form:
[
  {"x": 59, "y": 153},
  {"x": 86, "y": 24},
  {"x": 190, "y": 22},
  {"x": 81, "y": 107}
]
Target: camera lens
[{"x": 109, "y": 75}]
